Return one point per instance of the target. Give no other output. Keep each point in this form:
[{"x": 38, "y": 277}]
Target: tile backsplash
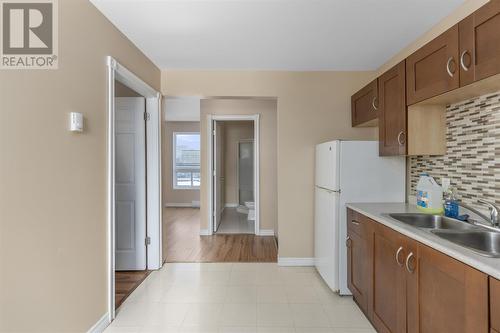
[{"x": 472, "y": 159}]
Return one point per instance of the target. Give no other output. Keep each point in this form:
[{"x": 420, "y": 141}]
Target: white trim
[
  {"x": 266, "y": 232},
  {"x": 174, "y": 152},
  {"x": 256, "y": 119},
  {"x": 116, "y": 71},
  {"x": 231, "y": 205},
  {"x": 180, "y": 205},
  {"x": 205, "y": 232},
  {"x": 299, "y": 262},
  {"x": 101, "y": 324}
]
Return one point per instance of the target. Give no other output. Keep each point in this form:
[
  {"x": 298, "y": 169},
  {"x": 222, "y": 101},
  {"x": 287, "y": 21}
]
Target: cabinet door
[
  {"x": 494, "y": 304},
  {"x": 433, "y": 69},
  {"x": 359, "y": 262},
  {"x": 452, "y": 297},
  {"x": 480, "y": 44},
  {"x": 389, "y": 296},
  {"x": 364, "y": 105},
  {"x": 392, "y": 111}
]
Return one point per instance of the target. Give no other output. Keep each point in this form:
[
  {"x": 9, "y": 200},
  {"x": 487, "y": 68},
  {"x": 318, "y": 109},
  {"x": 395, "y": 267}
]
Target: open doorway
[
  {"x": 234, "y": 190},
  {"x": 234, "y": 165},
  {"x": 134, "y": 187}
]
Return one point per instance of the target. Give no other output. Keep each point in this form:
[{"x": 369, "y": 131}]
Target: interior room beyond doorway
[{"x": 234, "y": 179}]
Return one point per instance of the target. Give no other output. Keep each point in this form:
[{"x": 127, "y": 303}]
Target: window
[{"x": 186, "y": 170}]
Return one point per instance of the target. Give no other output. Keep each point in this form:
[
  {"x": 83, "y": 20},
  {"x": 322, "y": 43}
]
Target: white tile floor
[
  {"x": 237, "y": 298},
  {"x": 233, "y": 222}
]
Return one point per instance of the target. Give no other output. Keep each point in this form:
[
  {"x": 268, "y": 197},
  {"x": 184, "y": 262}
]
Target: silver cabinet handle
[
  {"x": 411, "y": 255},
  {"x": 348, "y": 241},
  {"x": 462, "y": 62},
  {"x": 448, "y": 63},
  {"x": 374, "y": 105},
  {"x": 354, "y": 222},
  {"x": 398, "y": 252},
  {"x": 401, "y": 136}
]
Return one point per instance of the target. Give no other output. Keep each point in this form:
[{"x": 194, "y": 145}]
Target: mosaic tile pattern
[{"x": 472, "y": 160}]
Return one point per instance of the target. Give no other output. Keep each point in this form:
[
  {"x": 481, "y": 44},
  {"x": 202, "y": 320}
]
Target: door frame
[
  {"x": 256, "y": 170},
  {"x": 116, "y": 71},
  {"x": 238, "y": 165}
]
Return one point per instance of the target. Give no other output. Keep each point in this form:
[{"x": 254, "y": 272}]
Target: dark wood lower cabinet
[
  {"x": 494, "y": 305},
  {"x": 388, "y": 307},
  {"x": 452, "y": 297},
  {"x": 406, "y": 287},
  {"x": 359, "y": 245}
]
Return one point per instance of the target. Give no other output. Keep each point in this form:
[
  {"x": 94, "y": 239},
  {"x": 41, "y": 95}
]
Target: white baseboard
[
  {"x": 179, "y": 205},
  {"x": 101, "y": 325},
  {"x": 266, "y": 232},
  {"x": 286, "y": 261},
  {"x": 204, "y": 232},
  {"x": 231, "y": 205}
]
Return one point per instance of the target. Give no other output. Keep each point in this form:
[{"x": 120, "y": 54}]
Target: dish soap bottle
[
  {"x": 429, "y": 195},
  {"x": 450, "y": 199}
]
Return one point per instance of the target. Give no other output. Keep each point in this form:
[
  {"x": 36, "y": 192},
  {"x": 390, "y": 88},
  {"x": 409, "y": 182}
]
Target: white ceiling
[{"x": 273, "y": 34}]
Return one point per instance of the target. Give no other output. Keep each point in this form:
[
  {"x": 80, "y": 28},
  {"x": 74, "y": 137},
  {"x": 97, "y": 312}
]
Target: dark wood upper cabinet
[
  {"x": 495, "y": 304},
  {"x": 434, "y": 68},
  {"x": 364, "y": 105},
  {"x": 480, "y": 44},
  {"x": 359, "y": 259},
  {"x": 452, "y": 297},
  {"x": 392, "y": 111}
]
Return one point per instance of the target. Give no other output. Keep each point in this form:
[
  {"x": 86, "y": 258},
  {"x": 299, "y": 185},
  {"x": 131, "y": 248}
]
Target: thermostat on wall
[{"x": 75, "y": 122}]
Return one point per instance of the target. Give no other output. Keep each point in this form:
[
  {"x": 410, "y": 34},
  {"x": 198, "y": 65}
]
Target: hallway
[{"x": 181, "y": 231}]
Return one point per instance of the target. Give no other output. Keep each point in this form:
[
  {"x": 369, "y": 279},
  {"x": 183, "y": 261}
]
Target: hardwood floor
[
  {"x": 181, "y": 227},
  {"x": 125, "y": 284}
]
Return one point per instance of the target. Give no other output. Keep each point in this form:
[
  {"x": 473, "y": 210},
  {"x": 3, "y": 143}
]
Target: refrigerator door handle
[{"x": 328, "y": 190}]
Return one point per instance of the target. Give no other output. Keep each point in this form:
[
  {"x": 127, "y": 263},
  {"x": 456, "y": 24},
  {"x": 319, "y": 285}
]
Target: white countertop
[{"x": 378, "y": 211}]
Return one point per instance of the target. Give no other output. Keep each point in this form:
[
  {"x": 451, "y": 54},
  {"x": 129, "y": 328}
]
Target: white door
[
  {"x": 245, "y": 172},
  {"x": 218, "y": 174},
  {"x": 326, "y": 235},
  {"x": 130, "y": 179},
  {"x": 327, "y": 165}
]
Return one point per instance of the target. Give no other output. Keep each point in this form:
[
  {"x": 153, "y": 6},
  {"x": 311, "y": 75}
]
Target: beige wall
[
  {"x": 53, "y": 275},
  {"x": 171, "y": 195},
  {"x": 312, "y": 107},
  {"x": 236, "y": 131}
]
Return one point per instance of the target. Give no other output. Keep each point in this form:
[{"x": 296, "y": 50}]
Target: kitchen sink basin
[
  {"x": 427, "y": 221},
  {"x": 484, "y": 242}
]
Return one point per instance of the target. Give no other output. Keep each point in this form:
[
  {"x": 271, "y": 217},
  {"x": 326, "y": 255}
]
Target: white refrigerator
[{"x": 348, "y": 172}]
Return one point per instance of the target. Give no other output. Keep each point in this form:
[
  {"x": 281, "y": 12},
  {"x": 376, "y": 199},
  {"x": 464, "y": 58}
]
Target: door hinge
[
  {"x": 213, "y": 132},
  {"x": 147, "y": 241},
  {"x": 147, "y": 116}
]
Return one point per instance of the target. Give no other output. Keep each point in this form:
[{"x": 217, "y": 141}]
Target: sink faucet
[{"x": 494, "y": 218}]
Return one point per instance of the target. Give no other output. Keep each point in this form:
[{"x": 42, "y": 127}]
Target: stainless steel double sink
[{"x": 471, "y": 236}]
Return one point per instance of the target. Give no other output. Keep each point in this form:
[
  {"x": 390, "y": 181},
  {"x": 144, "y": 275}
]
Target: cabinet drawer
[
  {"x": 356, "y": 222},
  {"x": 495, "y": 304}
]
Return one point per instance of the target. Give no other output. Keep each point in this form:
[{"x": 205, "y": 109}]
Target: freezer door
[
  {"x": 326, "y": 236},
  {"x": 327, "y": 165}
]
